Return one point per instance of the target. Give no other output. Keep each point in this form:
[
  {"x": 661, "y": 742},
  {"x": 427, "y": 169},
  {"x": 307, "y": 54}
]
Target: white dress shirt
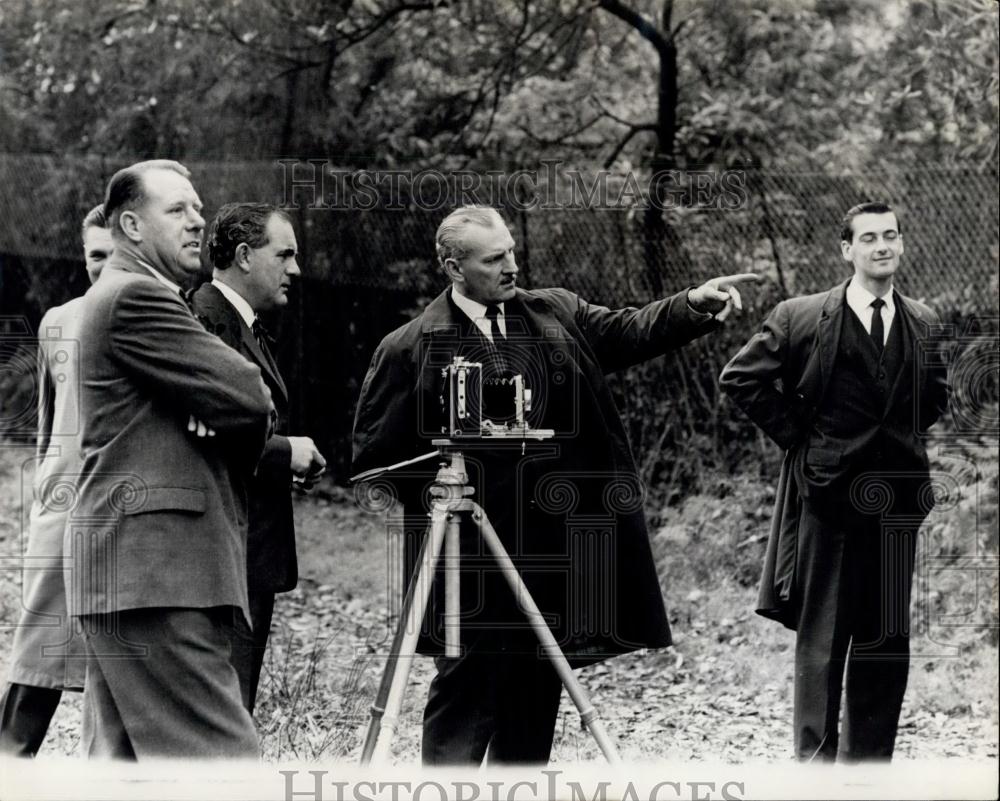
[
  {"x": 244, "y": 309},
  {"x": 860, "y": 301},
  {"x": 161, "y": 277},
  {"x": 476, "y": 312}
]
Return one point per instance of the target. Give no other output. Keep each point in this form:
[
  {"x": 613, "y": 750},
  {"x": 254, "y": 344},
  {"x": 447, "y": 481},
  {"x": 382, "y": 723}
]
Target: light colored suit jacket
[
  {"x": 47, "y": 650},
  {"x": 161, "y": 517}
]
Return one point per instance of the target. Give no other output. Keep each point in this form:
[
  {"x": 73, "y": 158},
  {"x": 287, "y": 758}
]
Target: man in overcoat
[
  {"x": 846, "y": 382},
  {"x": 48, "y": 654},
  {"x": 253, "y": 249},
  {"x": 158, "y": 535},
  {"x": 569, "y": 510}
]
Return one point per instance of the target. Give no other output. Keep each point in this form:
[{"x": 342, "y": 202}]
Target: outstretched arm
[{"x": 623, "y": 337}]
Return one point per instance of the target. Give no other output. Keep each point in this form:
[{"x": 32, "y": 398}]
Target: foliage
[{"x": 501, "y": 84}]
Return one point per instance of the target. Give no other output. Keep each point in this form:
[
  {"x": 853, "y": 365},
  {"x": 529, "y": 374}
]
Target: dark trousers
[
  {"x": 501, "y": 695},
  {"x": 159, "y": 684},
  {"x": 25, "y": 714},
  {"x": 853, "y": 632},
  {"x": 249, "y": 644}
]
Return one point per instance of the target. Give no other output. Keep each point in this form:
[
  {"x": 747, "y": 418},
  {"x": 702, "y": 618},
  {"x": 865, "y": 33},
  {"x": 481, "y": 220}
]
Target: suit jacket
[
  {"x": 271, "y": 560},
  {"x": 161, "y": 516},
  {"x": 570, "y": 511},
  {"x": 779, "y": 379}
]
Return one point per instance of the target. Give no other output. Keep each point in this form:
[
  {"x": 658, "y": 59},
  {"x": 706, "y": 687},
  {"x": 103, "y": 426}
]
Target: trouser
[
  {"x": 501, "y": 695},
  {"x": 853, "y": 632},
  {"x": 25, "y": 714},
  {"x": 250, "y": 644},
  {"x": 159, "y": 684}
]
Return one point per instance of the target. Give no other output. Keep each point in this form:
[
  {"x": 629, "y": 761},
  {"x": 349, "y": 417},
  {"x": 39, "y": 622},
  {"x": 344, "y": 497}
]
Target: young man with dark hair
[{"x": 839, "y": 380}]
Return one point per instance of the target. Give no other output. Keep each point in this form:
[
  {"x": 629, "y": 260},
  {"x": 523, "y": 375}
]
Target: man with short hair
[
  {"x": 253, "y": 250},
  {"x": 159, "y": 532},
  {"x": 48, "y": 653},
  {"x": 569, "y": 511},
  {"x": 97, "y": 244},
  {"x": 845, "y": 381}
]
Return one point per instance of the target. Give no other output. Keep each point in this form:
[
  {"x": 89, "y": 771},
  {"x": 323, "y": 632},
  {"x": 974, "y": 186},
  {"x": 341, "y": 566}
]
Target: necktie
[
  {"x": 260, "y": 333},
  {"x": 263, "y": 338},
  {"x": 499, "y": 340},
  {"x": 878, "y": 325}
]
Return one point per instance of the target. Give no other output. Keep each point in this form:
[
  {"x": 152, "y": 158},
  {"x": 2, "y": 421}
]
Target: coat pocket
[
  {"x": 169, "y": 499},
  {"x": 823, "y": 456}
]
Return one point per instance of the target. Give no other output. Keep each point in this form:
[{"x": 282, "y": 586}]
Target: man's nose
[
  {"x": 293, "y": 268},
  {"x": 195, "y": 220},
  {"x": 510, "y": 264}
]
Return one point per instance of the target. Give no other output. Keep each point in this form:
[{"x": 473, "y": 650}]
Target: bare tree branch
[{"x": 635, "y": 129}]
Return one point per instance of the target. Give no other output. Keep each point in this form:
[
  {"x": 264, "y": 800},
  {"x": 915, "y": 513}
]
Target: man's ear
[
  {"x": 453, "y": 269},
  {"x": 130, "y": 225},
  {"x": 241, "y": 258},
  {"x": 845, "y": 249}
]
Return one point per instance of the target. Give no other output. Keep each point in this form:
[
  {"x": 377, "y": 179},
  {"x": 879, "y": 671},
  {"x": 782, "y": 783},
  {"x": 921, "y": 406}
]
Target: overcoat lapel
[
  {"x": 444, "y": 327},
  {"x": 831, "y": 320},
  {"x": 904, "y": 318}
]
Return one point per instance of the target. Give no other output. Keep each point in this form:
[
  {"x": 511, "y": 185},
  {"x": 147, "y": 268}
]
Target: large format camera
[{"x": 479, "y": 407}]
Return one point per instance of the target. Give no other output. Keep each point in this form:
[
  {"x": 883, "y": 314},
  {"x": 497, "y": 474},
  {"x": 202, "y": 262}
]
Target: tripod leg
[
  {"x": 452, "y": 587},
  {"x": 588, "y": 713},
  {"x": 401, "y": 660},
  {"x": 378, "y": 705}
]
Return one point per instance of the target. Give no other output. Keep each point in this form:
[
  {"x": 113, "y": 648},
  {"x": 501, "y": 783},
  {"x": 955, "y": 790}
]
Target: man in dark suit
[
  {"x": 252, "y": 248},
  {"x": 48, "y": 654},
  {"x": 846, "y": 381},
  {"x": 569, "y": 511},
  {"x": 158, "y": 535}
]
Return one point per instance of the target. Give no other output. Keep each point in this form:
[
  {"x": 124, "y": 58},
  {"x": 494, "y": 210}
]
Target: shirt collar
[
  {"x": 860, "y": 299},
  {"x": 244, "y": 309},
  {"x": 160, "y": 277},
  {"x": 473, "y": 309}
]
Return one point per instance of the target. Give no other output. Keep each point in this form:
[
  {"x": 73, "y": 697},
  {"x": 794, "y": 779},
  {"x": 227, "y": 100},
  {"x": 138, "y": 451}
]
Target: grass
[{"x": 723, "y": 691}]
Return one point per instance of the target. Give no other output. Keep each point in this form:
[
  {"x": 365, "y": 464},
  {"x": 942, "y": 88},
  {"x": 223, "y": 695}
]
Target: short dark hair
[
  {"x": 125, "y": 191},
  {"x": 236, "y": 224},
  {"x": 94, "y": 219},
  {"x": 868, "y": 207}
]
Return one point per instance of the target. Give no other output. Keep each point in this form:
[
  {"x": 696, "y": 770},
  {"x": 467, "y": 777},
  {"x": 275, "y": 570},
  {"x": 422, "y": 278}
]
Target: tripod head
[{"x": 448, "y": 449}]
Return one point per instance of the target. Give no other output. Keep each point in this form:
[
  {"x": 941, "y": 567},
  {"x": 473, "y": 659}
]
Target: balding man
[{"x": 159, "y": 540}]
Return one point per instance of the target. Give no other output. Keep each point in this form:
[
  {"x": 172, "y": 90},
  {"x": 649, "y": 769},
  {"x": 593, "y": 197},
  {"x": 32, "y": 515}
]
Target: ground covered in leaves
[{"x": 722, "y": 693}]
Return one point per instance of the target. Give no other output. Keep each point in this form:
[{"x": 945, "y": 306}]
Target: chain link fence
[
  {"x": 586, "y": 231},
  {"x": 367, "y": 245}
]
